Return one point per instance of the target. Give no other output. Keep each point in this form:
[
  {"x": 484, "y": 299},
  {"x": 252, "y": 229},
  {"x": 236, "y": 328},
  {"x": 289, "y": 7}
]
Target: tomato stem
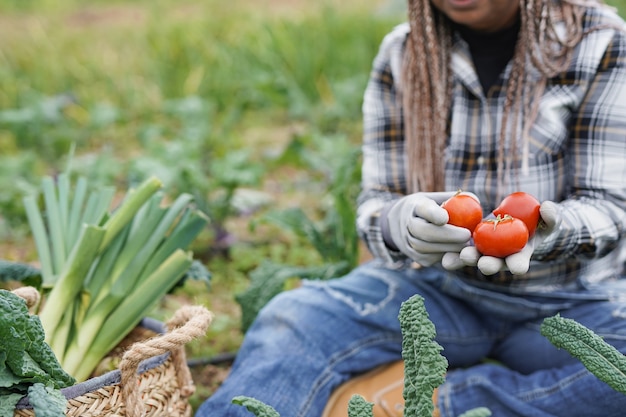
[{"x": 499, "y": 219}]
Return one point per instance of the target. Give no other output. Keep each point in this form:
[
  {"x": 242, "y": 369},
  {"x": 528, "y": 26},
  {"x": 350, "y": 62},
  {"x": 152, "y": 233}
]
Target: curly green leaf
[
  {"x": 600, "y": 358},
  {"x": 255, "y": 406},
  {"x": 17, "y": 271},
  {"x": 359, "y": 407},
  {"x": 8, "y": 401},
  {"x": 424, "y": 365},
  {"x": 27, "y": 354},
  {"x": 47, "y": 401}
]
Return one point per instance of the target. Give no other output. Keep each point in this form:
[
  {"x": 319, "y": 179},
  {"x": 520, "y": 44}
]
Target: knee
[
  {"x": 286, "y": 310},
  {"x": 287, "y": 324}
]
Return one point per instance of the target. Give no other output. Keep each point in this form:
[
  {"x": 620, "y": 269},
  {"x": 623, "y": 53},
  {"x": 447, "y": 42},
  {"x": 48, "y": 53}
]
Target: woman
[{"x": 492, "y": 97}]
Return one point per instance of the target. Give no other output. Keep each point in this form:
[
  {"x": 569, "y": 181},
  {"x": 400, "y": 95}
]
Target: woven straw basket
[{"x": 153, "y": 378}]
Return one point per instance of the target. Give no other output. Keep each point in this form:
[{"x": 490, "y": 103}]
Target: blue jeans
[{"x": 308, "y": 341}]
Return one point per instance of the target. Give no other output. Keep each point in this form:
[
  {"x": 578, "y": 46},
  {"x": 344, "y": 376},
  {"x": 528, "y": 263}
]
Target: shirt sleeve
[
  {"x": 383, "y": 177},
  {"x": 594, "y": 215}
]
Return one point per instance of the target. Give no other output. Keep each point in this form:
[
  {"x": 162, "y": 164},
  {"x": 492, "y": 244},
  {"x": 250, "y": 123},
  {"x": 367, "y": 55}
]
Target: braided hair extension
[
  {"x": 427, "y": 86},
  {"x": 540, "y": 53}
]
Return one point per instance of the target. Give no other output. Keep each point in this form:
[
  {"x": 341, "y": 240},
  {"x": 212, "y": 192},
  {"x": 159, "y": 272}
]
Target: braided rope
[
  {"x": 188, "y": 323},
  {"x": 29, "y": 294}
]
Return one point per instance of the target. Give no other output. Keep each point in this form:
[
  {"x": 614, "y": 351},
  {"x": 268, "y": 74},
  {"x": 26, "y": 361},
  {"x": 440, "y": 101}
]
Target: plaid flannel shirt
[{"x": 576, "y": 155}]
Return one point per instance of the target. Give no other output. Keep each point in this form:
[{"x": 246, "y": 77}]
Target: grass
[{"x": 215, "y": 98}]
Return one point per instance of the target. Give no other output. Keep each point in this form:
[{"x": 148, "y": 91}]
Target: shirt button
[{"x": 480, "y": 160}]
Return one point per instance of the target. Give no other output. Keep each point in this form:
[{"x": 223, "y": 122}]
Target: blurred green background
[{"x": 254, "y": 107}]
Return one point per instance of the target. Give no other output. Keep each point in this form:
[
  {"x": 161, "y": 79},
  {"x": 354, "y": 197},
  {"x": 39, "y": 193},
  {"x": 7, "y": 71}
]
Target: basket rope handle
[
  {"x": 187, "y": 324},
  {"x": 29, "y": 294}
]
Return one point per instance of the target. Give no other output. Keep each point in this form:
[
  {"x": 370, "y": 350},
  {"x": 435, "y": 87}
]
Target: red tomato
[
  {"x": 522, "y": 206},
  {"x": 500, "y": 237},
  {"x": 463, "y": 210}
]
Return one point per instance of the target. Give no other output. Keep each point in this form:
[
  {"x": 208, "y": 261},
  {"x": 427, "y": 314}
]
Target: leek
[
  {"x": 123, "y": 319},
  {"x": 69, "y": 284},
  {"x": 105, "y": 270}
]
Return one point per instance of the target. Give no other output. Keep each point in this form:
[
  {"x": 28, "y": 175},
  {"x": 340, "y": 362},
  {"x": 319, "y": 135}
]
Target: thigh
[
  {"x": 357, "y": 315},
  {"x": 526, "y": 350}
]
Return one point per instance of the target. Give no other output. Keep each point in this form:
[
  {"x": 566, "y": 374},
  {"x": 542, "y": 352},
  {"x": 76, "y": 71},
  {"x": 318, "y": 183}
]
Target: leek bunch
[{"x": 104, "y": 271}]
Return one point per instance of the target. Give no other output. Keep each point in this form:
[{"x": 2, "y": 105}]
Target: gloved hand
[
  {"x": 517, "y": 263},
  {"x": 417, "y": 225}
]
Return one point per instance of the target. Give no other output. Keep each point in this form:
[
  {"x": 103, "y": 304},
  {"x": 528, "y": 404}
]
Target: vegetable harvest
[
  {"x": 514, "y": 222},
  {"x": 105, "y": 270}
]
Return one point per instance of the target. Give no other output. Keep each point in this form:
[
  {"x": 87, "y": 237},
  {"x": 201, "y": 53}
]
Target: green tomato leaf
[{"x": 599, "y": 357}]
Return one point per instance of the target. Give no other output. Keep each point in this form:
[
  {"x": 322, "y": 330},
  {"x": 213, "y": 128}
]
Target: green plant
[
  {"x": 255, "y": 406},
  {"x": 269, "y": 279},
  {"x": 334, "y": 237},
  {"x": 336, "y": 162},
  {"x": 103, "y": 271},
  {"x": 65, "y": 81},
  {"x": 424, "y": 366},
  {"x": 358, "y": 407},
  {"x": 19, "y": 171},
  {"x": 196, "y": 161},
  {"x": 40, "y": 123},
  {"x": 19, "y": 272},
  {"x": 28, "y": 367},
  {"x": 599, "y": 357}
]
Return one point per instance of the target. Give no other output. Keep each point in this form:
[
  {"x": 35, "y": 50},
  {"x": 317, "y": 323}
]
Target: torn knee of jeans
[
  {"x": 619, "y": 312},
  {"x": 364, "y": 301}
]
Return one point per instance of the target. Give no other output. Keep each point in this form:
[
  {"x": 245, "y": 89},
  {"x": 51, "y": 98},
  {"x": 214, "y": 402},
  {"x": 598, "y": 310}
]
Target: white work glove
[
  {"x": 517, "y": 263},
  {"x": 418, "y": 227}
]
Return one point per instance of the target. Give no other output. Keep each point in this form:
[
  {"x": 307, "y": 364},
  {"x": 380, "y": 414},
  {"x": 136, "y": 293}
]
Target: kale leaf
[
  {"x": 256, "y": 407},
  {"x": 28, "y": 367}
]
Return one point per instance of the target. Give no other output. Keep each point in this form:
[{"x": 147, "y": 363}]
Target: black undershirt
[{"x": 490, "y": 51}]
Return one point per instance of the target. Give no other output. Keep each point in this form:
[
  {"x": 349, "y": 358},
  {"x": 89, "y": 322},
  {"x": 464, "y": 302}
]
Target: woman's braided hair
[{"x": 428, "y": 86}]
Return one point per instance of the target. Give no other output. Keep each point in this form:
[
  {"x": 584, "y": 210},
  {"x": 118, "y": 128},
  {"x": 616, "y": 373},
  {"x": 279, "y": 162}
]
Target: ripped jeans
[{"x": 308, "y": 341}]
